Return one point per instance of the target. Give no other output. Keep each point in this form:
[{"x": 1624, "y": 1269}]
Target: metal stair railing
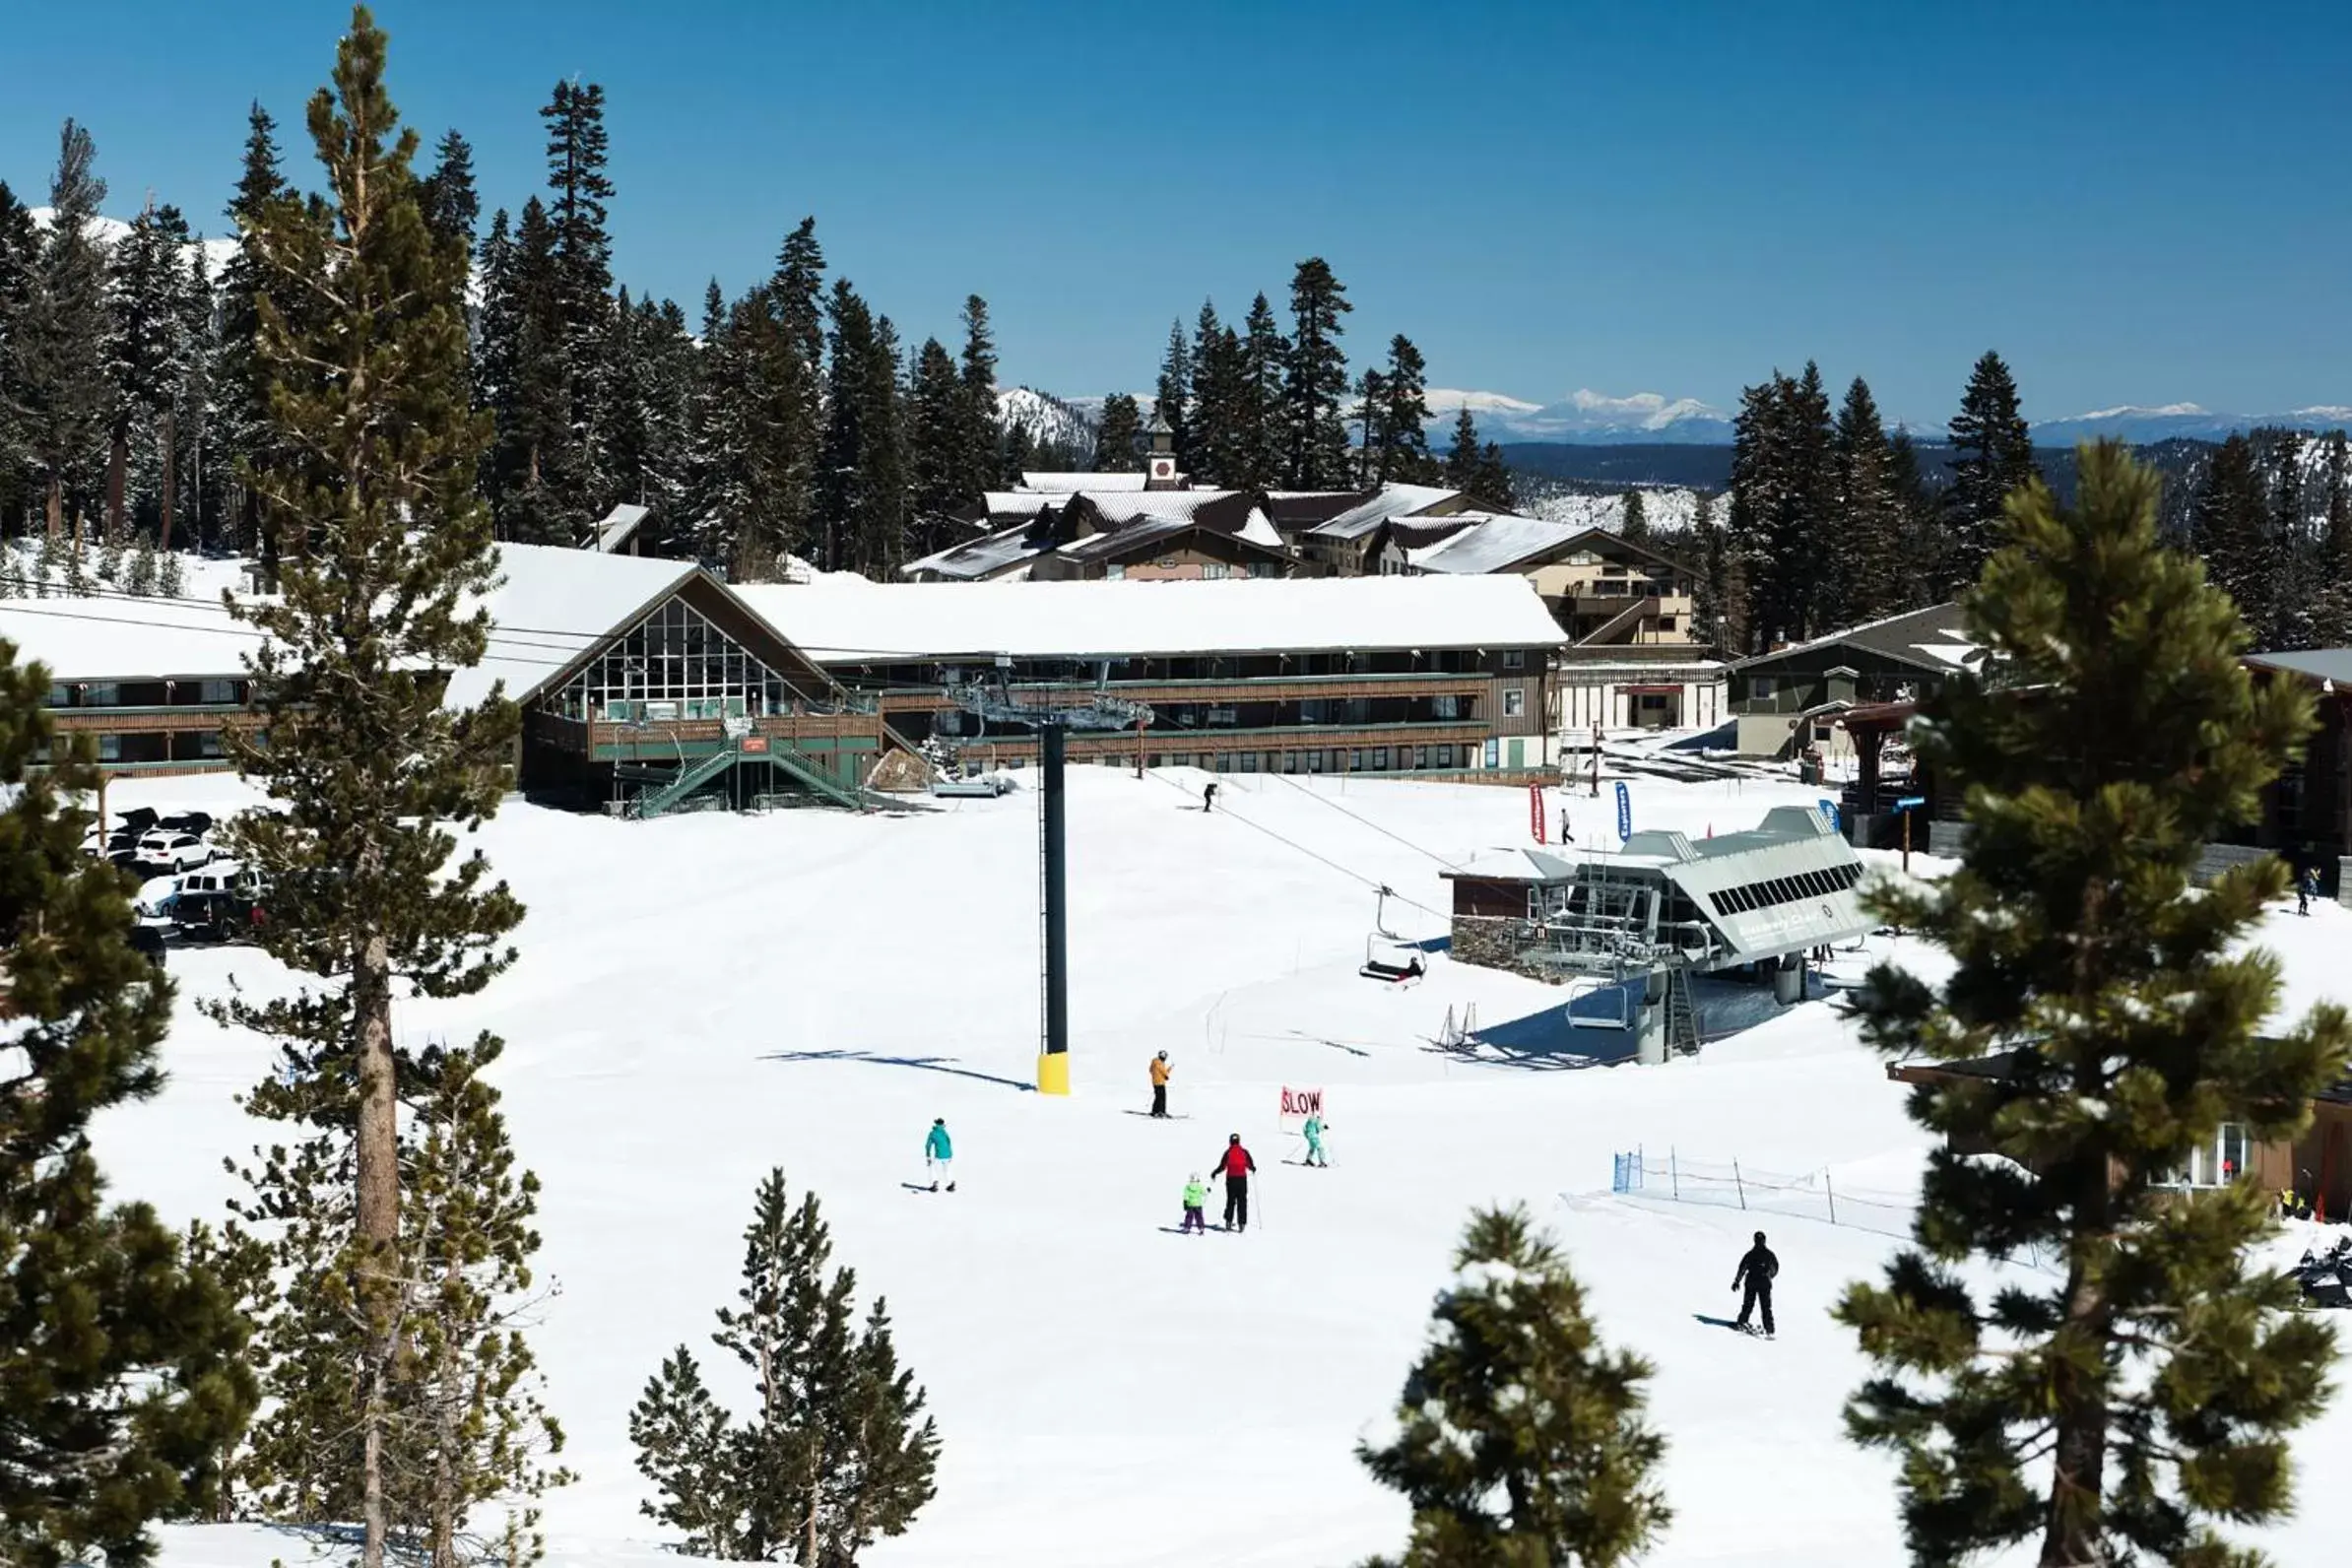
[
  {"x": 792, "y": 764},
  {"x": 654, "y": 801}
]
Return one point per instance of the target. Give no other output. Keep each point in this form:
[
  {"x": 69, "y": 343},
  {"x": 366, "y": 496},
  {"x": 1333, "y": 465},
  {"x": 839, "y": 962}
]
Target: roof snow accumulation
[
  {"x": 127, "y": 639},
  {"x": 1072, "y": 483},
  {"x": 1496, "y": 544},
  {"x": 551, "y": 604},
  {"x": 1393, "y": 501},
  {"x": 851, "y": 623}
]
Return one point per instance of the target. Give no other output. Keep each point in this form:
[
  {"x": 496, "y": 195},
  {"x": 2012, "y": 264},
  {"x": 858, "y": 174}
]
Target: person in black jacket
[{"x": 1757, "y": 1270}]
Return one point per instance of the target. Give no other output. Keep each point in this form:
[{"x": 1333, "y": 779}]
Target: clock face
[{"x": 1161, "y": 468}]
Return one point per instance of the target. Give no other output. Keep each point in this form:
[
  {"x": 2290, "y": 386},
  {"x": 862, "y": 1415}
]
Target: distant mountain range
[
  {"x": 2181, "y": 421},
  {"x": 1585, "y": 417}
]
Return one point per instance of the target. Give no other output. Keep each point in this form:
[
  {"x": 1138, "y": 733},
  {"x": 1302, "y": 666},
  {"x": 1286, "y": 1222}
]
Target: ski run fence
[{"x": 1815, "y": 1195}]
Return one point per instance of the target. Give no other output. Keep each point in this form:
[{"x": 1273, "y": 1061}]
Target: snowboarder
[
  {"x": 1159, "y": 1085},
  {"x": 1314, "y": 1131},
  {"x": 1236, "y": 1165},
  {"x": 1757, "y": 1270},
  {"x": 1208, "y": 797},
  {"x": 938, "y": 1154},
  {"x": 1195, "y": 1195},
  {"x": 2306, "y": 889}
]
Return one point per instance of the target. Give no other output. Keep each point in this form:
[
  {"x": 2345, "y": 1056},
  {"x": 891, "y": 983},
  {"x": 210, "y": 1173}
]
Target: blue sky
[{"x": 2133, "y": 203}]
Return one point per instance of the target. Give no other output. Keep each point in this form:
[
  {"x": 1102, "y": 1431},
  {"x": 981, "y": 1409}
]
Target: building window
[
  {"x": 1249, "y": 761},
  {"x": 1665, "y": 623},
  {"x": 208, "y": 744},
  {"x": 60, "y": 695},
  {"x": 1356, "y": 761},
  {"x": 1515, "y": 658},
  {"x": 1515, "y": 701},
  {"x": 1265, "y": 568},
  {"x": 102, "y": 695},
  {"x": 1759, "y": 686},
  {"x": 1445, "y": 707},
  {"x": 1214, "y": 571},
  {"x": 1380, "y": 760},
  {"x": 1652, "y": 702},
  {"x": 672, "y": 657},
  {"x": 1114, "y": 571},
  {"x": 2217, "y": 1163},
  {"x": 110, "y": 747},
  {"x": 1421, "y": 756},
  {"x": 218, "y": 692},
  {"x": 1445, "y": 755}
]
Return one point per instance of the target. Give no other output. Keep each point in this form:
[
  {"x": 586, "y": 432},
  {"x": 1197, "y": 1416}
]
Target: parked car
[
  {"x": 197, "y": 822},
  {"x": 216, "y": 916},
  {"x": 168, "y": 850}
]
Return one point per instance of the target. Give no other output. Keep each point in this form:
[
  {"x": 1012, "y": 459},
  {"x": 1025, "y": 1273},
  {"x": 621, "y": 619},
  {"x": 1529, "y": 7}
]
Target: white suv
[{"x": 168, "y": 850}]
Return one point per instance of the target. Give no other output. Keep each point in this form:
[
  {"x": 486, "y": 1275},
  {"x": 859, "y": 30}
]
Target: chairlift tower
[{"x": 993, "y": 701}]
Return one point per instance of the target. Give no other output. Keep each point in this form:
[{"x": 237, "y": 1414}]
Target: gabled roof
[
  {"x": 1072, "y": 483},
  {"x": 619, "y": 525},
  {"x": 1386, "y": 503},
  {"x": 2312, "y": 664},
  {"x": 127, "y": 639},
  {"x": 1512, "y": 865},
  {"x": 854, "y": 623},
  {"x": 1934, "y": 639},
  {"x": 1157, "y": 532},
  {"x": 1051, "y": 527},
  {"x": 553, "y": 606},
  {"x": 1498, "y": 544}
]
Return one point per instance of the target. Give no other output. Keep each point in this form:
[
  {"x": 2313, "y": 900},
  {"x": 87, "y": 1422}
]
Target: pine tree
[
  {"x": 1172, "y": 395},
  {"x": 1870, "y": 574},
  {"x": 383, "y": 548},
  {"x": 979, "y": 371},
  {"x": 1314, "y": 380},
  {"x": 934, "y": 430},
  {"x": 188, "y": 411},
  {"x": 59, "y": 382},
  {"x": 2332, "y": 599},
  {"x": 1120, "y": 440},
  {"x": 1992, "y": 457},
  {"x": 19, "y": 244},
  {"x": 838, "y": 1451},
  {"x": 150, "y": 350},
  {"x": 472, "y": 1430},
  {"x": 2230, "y": 529},
  {"x": 244, "y": 423},
  {"x": 2123, "y": 1412},
  {"x": 1217, "y": 368},
  {"x": 880, "y": 526},
  {"x": 573, "y": 464},
  {"x": 170, "y": 577},
  {"x": 1258, "y": 400},
  {"x": 1403, "y": 417},
  {"x": 2284, "y": 618},
  {"x": 122, "y": 1375},
  {"x": 452, "y": 207},
  {"x": 1522, "y": 1443},
  {"x": 1490, "y": 480},
  {"x": 524, "y": 371},
  {"x": 1461, "y": 458},
  {"x": 1633, "y": 523},
  {"x": 140, "y": 580},
  {"x": 720, "y": 481},
  {"x": 1721, "y": 597}
]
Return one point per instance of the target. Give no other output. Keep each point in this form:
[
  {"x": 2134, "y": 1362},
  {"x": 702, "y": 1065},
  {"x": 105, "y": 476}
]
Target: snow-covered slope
[
  {"x": 2141, "y": 426},
  {"x": 704, "y": 996},
  {"x": 108, "y": 232},
  {"x": 1667, "y": 511},
  {"x": 1050, "y": 421}
]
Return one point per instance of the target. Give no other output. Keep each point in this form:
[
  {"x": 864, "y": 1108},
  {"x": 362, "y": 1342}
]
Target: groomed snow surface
[{"x": 703, "y": 997}]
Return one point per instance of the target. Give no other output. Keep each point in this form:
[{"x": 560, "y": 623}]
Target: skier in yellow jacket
[{"x": 1159, "y": 1085}]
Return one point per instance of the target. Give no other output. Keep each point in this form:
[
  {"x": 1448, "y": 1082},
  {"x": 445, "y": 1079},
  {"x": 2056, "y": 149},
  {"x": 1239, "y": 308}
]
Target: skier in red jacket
[{"x": 1236, "y": 1163}]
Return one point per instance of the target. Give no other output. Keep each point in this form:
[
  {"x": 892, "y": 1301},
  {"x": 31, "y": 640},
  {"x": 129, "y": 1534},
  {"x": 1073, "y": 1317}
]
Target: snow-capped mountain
[
  {"x": 109, "y": 231},
  {"x": 1586, "y": 418},
  {"x": 2141, "y": 426},
  {"x": 1051, "y": 422}
]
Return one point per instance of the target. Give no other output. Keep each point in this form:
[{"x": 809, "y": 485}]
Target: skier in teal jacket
[{"x": 938, "y": 1154}]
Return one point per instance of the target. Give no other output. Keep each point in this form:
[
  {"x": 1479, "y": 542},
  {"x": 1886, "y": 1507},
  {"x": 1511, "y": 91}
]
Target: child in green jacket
[{"x": 1196, "y": 1193}]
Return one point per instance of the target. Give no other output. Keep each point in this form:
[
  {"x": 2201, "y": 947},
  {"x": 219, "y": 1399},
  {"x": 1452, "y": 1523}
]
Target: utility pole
[{"x": 995, "y": 702}]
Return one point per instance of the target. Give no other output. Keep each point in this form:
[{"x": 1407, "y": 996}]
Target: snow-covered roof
[
  {"x": 978, "y": 559},
  {"x": 1495, "y": 544},
  {"x": 1393, "y": 501},
  {"x": 1259, "y": 529},
  {"x": 127, "y": 639},
  {"x": 1513, "y": 865},
  {"x": 838, "y": 623},
  {"x": 1021, "y": 503},
  {"x": 1072, "y": 483},
  {"x": 2315, "y": 664},
  {"x": 1934, "y": 638},
  {"x": 554, "y": 604},
  {"x": 619, "y": 524}
]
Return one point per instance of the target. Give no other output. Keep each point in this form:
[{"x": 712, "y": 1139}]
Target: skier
[
  {"x": 1314, "y": 1131},
  {"x": 2306, "y": 889},
  {"x": 1236, "y": 1163},
  {"x": 1159, "y": 1085},
  {"x": 1757, "y": 1270},
  {"x": 1196, "y": 1193},
  {"x": 938, "y": 1154},
  {"x": 1208, "y": 797}
]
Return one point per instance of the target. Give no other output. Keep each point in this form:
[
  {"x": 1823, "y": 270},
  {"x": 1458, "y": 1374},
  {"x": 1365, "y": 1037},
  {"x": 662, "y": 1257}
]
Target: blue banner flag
[
  {"x": 1624, "y": 812},
  {"x": 1829, "y": 813}
]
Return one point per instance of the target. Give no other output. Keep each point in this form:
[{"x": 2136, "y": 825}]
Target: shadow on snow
[{"x": 927, "y": 1064}]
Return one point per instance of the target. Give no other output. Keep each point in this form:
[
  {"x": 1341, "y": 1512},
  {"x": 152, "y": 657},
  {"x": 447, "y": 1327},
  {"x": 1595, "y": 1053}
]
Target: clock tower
[{"x": 1159, "y": 464}]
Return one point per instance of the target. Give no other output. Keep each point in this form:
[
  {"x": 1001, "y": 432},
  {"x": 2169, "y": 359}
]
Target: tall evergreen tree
[
  {"x": 1870, "y": 572},
  {"x": 1402, "y": 420},
  {"x": 1781, "y": 524},
  {"x": 19, "y": 243},
  {"x": 2284, "y": 619},
  {"x": 451, "y": 205},
  {"x": 58, "y": 348},
  {"x": 721, "y": 481},
  {"x": 1521, "y": 1439},
  {"x": 1172, "y": 394},
  {"x": 1118, "y": 443},
  {"x": 149, "y": 348},
  {"x": 121, "y": 1370},
  {"x": 1461, "y": 470},
  {"x": 525, "y": 366},
  {"x": 385, "y": 552},
  {"x": 1491, "y": 481},
  {"x": 2331, "y": 598},
  {"x": 1633, "y": 523},
  {"x": 244, "y": 413},
  {"x": 838, "y": 1451},
  {"x": 2230, "y": 529},
  {"x": 573, "y": 462},
  {"x": 935, "y": 435},
  {"x": 791, "y": 365},
  {"x": 863, "y": 477},
  {"x": 1992, "y": 457},
  {"x": 978, "y": 367},
  {"x": 1720, "y": 592},
  {"x": 1314, "y": 380},
  {"x": 1216, "y": 364},
  {"x": 1258, "y": 399},
  {"x": 2122, "y": 1413}
]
